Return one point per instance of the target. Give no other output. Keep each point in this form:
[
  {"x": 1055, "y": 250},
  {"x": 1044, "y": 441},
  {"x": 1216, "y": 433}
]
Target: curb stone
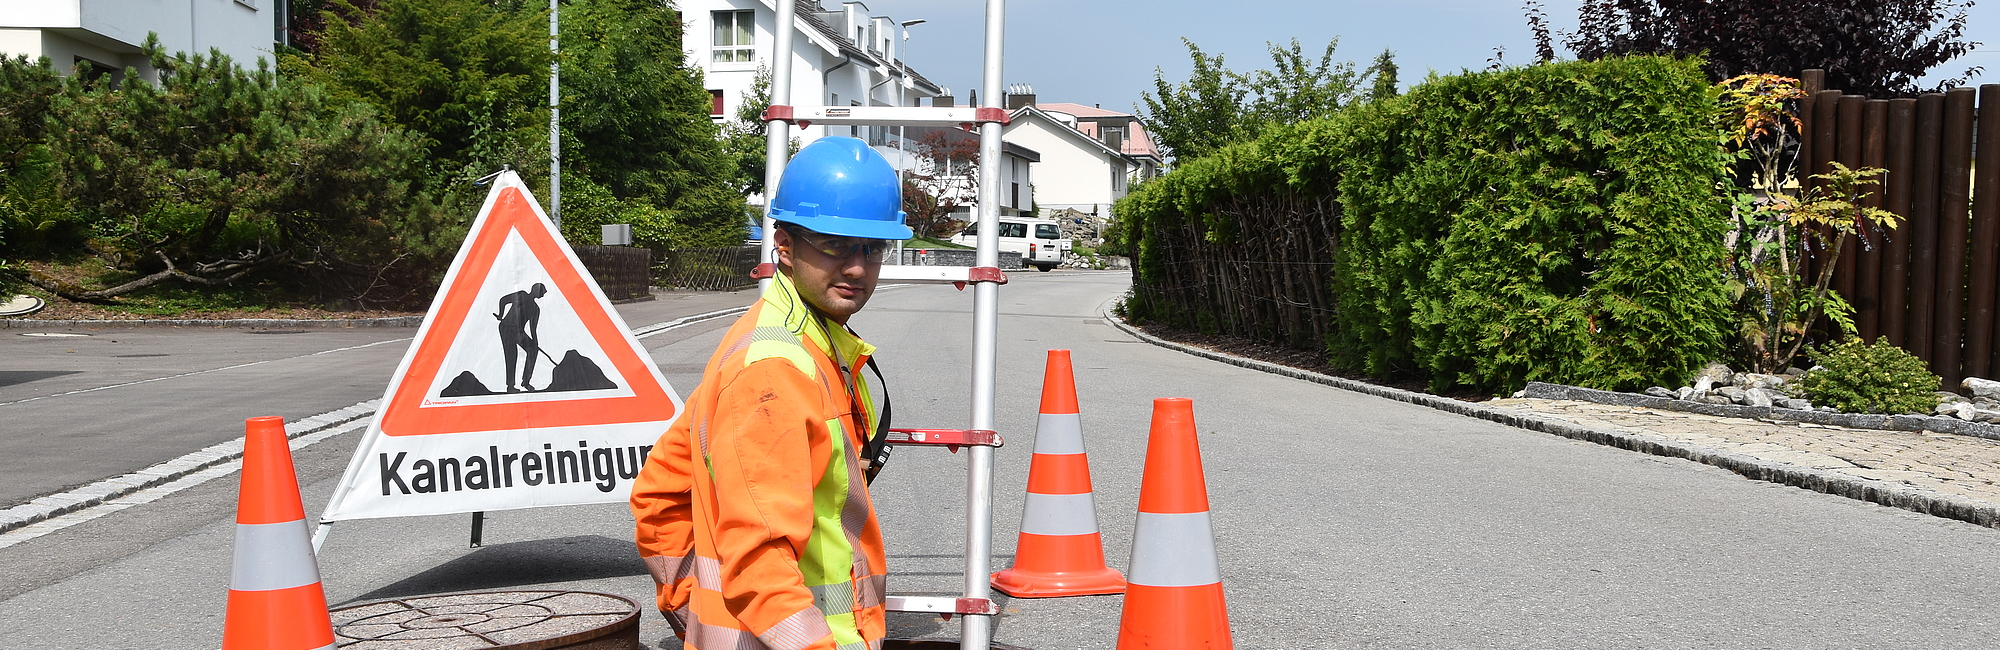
[
  {"x": 1937, "y": 424},
  {"x": 1894, "y": 495},
  {"x": 56, "y": 505},
  {"x": 394, "y": 321}
]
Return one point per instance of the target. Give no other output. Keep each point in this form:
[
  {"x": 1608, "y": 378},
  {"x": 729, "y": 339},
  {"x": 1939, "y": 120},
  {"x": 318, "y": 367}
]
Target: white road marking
[
  {"x": 55, "y": 512},
  {"x": 160, "y": 491},
  {"x": 657, "y": 328}
]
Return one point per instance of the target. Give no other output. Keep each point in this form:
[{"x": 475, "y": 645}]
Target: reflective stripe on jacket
[{"x": 753, "y": 516}]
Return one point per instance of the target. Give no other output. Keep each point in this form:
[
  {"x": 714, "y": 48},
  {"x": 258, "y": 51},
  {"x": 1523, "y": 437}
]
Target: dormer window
[
  {"x": 735, "y": 36},
  {"x": 1114, "y": 137}
]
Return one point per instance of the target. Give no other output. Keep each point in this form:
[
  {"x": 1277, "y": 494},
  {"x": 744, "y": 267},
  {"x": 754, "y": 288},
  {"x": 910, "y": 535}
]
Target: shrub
[
  {"x": 218, "y": 171},
  {"x": 1877, "y": 377},
  {"x": 1556, "y": 223}
]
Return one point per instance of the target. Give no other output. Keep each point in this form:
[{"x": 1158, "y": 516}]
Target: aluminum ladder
[{"x": 975, "y": 607}]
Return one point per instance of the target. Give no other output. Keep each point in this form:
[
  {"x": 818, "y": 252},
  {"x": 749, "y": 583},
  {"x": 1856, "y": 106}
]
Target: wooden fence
[
  {"x": 621, "y": 271},
  {"x": 1929, "y": 286},
  {"x": 713, "y": 269}
]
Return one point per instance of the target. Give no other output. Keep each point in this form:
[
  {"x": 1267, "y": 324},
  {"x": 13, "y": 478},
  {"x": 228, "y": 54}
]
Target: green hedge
[{"x": 1557, "y": 222}]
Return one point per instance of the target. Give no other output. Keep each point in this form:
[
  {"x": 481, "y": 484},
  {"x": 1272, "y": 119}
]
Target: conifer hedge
[{"x": 1556, "y": 222}]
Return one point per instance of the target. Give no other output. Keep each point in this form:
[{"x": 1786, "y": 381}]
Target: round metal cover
[
  {"x": 21, "y": 305},
  {"x": 518, "y": 620}
]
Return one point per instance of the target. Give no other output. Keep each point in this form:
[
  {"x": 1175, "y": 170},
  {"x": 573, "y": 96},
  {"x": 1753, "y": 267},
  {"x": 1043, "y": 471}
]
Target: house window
[
  {"x": 715, "y": 102},
  {"x": 734, "y": 36},
  {"x": 1114, "y": 137},
  {"x": 1016, "y": 199}
]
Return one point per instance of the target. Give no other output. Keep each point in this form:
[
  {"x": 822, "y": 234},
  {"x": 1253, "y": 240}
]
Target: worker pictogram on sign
[{"x": 523, "y": 388}]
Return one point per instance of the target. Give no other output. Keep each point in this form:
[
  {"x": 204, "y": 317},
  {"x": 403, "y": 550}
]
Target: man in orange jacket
[{"x": 753, "y": 510}]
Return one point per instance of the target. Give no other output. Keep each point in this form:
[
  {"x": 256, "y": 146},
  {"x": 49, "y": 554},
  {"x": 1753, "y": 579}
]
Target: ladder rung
[
  {"x": 953, "y": 438},
  {"x": 887, "y": 115},
  {"x": 941, "y": 274},
  {"x": 940, "y": 605}
]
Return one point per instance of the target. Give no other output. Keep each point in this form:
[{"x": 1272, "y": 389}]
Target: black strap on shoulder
[{"x": 877, "y": 450}]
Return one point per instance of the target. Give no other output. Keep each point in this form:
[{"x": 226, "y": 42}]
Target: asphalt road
[
  {"x": 1342, "y": 520},
  {"x": 96, "y": 402}
]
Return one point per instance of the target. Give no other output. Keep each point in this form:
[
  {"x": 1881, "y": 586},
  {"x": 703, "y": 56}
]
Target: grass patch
[{"x": 926, "y": 242}]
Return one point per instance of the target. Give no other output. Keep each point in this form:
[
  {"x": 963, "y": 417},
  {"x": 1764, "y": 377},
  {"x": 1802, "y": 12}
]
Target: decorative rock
[
  {"x": 1757, "y": 397},
  {"x": 1799, "y": 404},
  {"x": 1684, "y": 392},
  {"x": 1986, "y": 416},
  {"x": 1964, "y": 411},
  {"x": 1735, "y": 395},
  {"x": 1754, "y": 380},
  {"x": 1986, "y": 388},
  {"x": 1948, "y": 397},
  {"x": 1795, "y": 372},
  {"x": 1718, "y": 373},
  {"x": 1658, "y": 391},
  {"x": 1947, "y": 409},
  {"x": 1827, "y": 409},
  {"x": 1702, "y": 384},
  {"x": 1714, "y": 399}
]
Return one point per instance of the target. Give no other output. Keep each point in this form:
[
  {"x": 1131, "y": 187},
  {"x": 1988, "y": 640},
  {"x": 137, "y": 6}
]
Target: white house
[
  {"x": 840, "y": 57},
  {"x": 1077, "y": 170},
  {"x": 105, "y": 35},
  {"x": 1121, "y": 131}
]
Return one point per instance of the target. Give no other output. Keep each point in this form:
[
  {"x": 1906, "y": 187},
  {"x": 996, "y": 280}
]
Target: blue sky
[{"x": 1104, "y": 51}]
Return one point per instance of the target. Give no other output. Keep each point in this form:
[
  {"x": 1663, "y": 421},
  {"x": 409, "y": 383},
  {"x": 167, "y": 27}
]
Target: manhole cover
[
  {"x": 21, "y": 305},
  {"x": 521, "y": 620}
]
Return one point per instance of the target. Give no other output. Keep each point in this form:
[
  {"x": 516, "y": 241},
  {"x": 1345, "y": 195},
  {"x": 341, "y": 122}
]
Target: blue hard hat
[{"x": 839, "y": 186}]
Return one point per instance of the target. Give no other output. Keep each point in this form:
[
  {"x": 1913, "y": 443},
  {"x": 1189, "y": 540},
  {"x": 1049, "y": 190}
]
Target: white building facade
[
  {"x": 840, "y": 57},
  {"x": 105, "y": 35},
  {"x": 1075, "y": 171}
]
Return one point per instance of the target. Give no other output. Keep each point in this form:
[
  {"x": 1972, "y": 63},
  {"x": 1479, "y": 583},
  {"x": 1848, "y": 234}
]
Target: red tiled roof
[
  {"x": 1078, "y": 110},
  {"x": 1138, "y": 144}
]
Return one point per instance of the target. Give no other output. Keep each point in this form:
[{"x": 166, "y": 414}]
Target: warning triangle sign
[{"x": 522, "y": 388}]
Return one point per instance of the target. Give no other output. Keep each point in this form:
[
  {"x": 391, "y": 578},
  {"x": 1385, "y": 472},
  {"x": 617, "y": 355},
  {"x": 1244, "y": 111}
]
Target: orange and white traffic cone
[
  {"x": 275, "y": 598},
  {"x": 1060, "y": 552},
  {"x": 1175, "y": 599}
]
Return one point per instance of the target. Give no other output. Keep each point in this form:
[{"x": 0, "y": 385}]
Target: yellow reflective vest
[{"x": 753, "y": 516}]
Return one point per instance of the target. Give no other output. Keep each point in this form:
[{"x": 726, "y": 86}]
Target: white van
[{"x": 1039, "y": 241}]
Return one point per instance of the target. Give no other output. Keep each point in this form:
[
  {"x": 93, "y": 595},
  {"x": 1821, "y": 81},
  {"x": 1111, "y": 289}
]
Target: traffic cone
[
  {"x": 275, "y": 598},
  {"x": 1175, "y": 599},
  {"x": 1060, "y": 552}
]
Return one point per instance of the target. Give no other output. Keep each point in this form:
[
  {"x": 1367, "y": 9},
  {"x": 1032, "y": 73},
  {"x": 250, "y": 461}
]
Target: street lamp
[{"x": 902, "y": 137}]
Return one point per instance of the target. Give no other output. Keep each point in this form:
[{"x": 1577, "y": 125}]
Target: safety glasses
[{"x": 871, "y": 250}]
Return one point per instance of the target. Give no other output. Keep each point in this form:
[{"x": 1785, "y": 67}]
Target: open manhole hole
[
  {"x": 275, "y": 332},
  {"x": 523, "y": 620}
]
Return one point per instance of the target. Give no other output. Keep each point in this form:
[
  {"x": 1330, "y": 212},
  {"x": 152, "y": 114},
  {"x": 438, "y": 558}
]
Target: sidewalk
[
  {"x": 1938, "y": 462},
  {"x": 1946, "y": 475}
]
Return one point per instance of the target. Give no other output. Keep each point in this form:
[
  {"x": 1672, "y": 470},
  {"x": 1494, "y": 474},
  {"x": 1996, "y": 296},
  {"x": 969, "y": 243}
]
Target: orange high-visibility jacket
[{"x": 753, "y": 515}]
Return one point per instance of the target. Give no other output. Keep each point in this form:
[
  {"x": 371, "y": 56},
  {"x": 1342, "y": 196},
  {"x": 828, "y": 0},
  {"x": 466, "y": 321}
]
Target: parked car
[{"x": 1039, "y": 241}]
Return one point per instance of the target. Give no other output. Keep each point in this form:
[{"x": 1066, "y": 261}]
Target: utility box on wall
[{"x": 618, "y": 234}]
